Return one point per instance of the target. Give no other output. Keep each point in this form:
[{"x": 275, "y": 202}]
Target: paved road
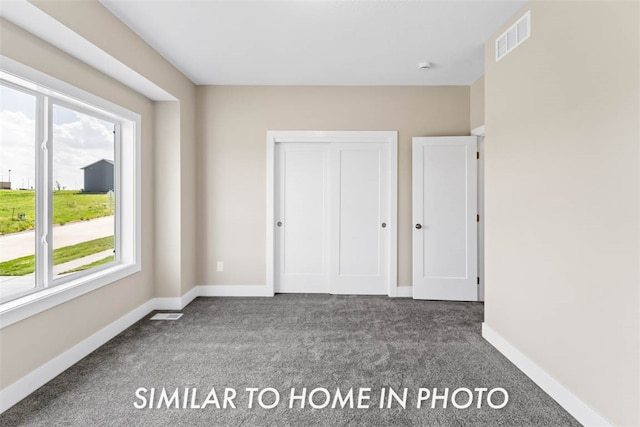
[{"x": 16, "y": 245}]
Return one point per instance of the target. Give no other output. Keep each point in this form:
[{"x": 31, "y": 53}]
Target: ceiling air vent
[{"x": 514, "y": 36}]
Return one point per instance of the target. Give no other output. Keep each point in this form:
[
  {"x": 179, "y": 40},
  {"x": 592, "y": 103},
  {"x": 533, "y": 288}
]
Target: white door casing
[
  {"x": 444, "y": 218},
  {"x": 479, "y": 133},
  {"x": 356, "y": 253}
]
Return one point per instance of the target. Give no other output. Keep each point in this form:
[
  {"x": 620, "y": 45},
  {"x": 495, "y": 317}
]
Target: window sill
[{"x": 29, "y": 305}]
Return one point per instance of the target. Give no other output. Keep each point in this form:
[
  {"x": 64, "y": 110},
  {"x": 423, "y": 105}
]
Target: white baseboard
[
  {"x": 167, "y": 303},
  {"x": 235, "y": 291},
  {"x": 186, "y": 299},
  {"x": 26, "y": 385},
  {"x": 404, "y": 292},
  {"x": 176, "y": 303},
  {"x": 569, "y": 401}
]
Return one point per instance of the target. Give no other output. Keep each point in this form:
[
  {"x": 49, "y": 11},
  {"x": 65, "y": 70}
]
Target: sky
[{"x": 78, "y": 141}]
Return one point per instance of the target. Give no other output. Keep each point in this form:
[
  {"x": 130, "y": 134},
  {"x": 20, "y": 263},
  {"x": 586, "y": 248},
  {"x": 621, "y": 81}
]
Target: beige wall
[
  {"x": 476, "y": 103},
  {"x": 167, "y": 206},
  {"x": 189, "y": 193},
  {"x": 233, "y": 123},
  {"x": 562, "y": 200},
  {"x": 175, "y": 274},
  {"x": 28, "y": 344}
]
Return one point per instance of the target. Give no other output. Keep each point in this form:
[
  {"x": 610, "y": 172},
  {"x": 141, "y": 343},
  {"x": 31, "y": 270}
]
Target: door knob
[
  {"x": 279, "y": 223},
  {"x": 418, "y": 226}
]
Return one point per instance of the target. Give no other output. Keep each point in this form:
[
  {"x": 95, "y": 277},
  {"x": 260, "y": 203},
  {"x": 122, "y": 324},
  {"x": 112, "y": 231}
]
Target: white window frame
[
  {"x": 48, "y": 211},
  {"x": 127, "y": 175}
]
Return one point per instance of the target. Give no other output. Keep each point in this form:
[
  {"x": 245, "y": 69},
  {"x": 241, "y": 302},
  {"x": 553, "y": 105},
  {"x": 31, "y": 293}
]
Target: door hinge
[
  {"x": 477, "y": 218},
  {"x": 477, "y": 155}
]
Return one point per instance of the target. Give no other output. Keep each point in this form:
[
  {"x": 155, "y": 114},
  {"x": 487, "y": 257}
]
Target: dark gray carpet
[{"x": 294, "y": 341}]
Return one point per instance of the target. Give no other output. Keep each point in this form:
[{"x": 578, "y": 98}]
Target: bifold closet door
[
  {"x": 445, "y": 248},
  {"x": 302, "y": 228},
  {"x": 332, "y": 215}
]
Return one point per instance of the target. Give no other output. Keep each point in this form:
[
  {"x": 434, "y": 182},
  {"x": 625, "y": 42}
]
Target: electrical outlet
[{"x": 220, "y": 266}]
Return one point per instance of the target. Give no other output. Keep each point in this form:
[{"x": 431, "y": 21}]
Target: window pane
[
  {"x": 17, "y": 195},
  {"x": 83, "y": 192}
]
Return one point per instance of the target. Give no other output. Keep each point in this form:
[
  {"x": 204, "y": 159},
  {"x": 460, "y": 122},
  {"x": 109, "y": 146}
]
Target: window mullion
[
  {"x": 49, "y": 193},
  {"x": 43, "y": 192},
  {"x": 40, "y": 182}
]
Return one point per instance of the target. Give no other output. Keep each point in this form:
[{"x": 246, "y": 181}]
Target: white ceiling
[{"x": 298, "y": 42}]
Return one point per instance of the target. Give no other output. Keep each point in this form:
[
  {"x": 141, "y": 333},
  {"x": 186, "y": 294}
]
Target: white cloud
[
  {"x": 17, "y": 148},
  {"x": 78, "y": 144},
  {"x": 75, "y": 144}
]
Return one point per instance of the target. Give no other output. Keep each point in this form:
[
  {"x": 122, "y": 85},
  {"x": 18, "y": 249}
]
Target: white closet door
[
  {"x": 444, "y": 213},
  {"x": 302, "y": 222},
  {"x": 333, "y": 213},
  {"x": 359, "y": 218}
]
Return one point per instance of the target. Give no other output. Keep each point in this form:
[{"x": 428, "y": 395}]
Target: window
[
  {"x": 69, "y": 190},
  {"x": 83, "y": 197}
]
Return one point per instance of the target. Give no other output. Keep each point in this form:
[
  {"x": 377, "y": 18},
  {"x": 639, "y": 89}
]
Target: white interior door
[
  {"x": 445, "y": 265},
  {"x": 360, "y": 216},
  {"x": 302, "y": 227}
]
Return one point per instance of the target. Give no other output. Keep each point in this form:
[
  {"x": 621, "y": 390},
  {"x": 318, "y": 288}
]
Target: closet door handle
[
  {"x": 418, "y": 226},
  {"x": 279, "y": 223},
  {"x": 384, "y": 225}
]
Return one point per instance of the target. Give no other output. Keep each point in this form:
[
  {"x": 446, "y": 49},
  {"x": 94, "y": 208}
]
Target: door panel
[
  {"x": 359, "y": 245},
  {"x": 444, "y": 213},
  {"x": 360, "y": 206},
  {"x": 302, "y": 237}
]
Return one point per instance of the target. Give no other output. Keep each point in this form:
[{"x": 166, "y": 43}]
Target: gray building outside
[{"x": 98, "y": 177}]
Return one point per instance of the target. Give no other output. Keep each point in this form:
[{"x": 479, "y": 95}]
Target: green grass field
[
  {"x": 26, "y": 265},
  {"x": 17, "y": 208},
  {"x": 91, "y": 265}
]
